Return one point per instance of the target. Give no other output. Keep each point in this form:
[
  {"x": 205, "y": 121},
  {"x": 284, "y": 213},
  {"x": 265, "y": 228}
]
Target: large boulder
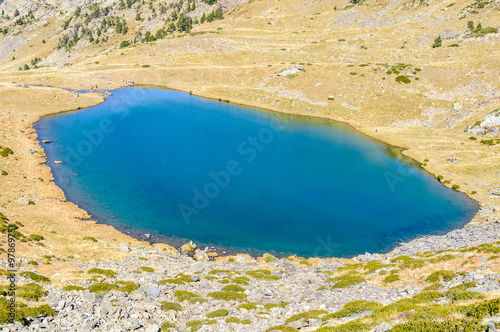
[{"x": 291, "y": 71}]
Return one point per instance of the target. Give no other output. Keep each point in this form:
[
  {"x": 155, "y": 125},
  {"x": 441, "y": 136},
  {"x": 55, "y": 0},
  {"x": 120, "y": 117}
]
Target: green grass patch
[
  {"x": 31, "y": 292},
  {"x": 218, "y": 313},
  {"x": 444, "y": 275},
  {"x": 346, "y": 280},
  {"x": 70, "y": 288},
  {"x": 233, "y": 288},
  {"x": 192, "y": 298},
  {"x": 403, "y": 79},
  {"x": 311, "y": 314},
  {"x": 35, "y": 276},
  {"x": 107, "y": 273},
  {"x": 167, "y": 306},
  {"x": 248, "y": 306},
  {"x": 195, "y": 325},
  {"x": 391, "y": 278},
  {"x": 262, "y": 275},
  {"x": 227, "y": 296},
  {"x": 179, "y": 280},
  {"x": 353, "y": 307},
  {"x": 147, "y": 269}
]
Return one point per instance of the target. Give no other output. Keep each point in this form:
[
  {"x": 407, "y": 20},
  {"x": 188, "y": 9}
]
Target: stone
[
  {"x": 125, "y": 249},
  {"x": 382, "y": 327},
  {"x": 457, "y": 107},
  {"x": 153, "y": 293},
  {"x": 152, "y": 328},
  {"x": 201, "y": 255},
  {"x": 131, "y": 324},
  {"x": 194, "y": 278},
  {"x": 290, "y": 71},
  {"x": 24, "y": 200},
  {"x": 188, "y": 247},
  {"x": 478, "y": 131}
]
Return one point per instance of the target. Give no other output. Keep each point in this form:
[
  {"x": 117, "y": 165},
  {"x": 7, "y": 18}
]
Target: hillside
[{"x": 421, "y": 75}]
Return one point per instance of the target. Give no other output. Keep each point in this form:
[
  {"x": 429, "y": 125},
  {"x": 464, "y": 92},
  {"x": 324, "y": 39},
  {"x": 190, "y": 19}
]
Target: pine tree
[
  {"x": 203, "y": 18},
  {"x": 438, "y": 42}
]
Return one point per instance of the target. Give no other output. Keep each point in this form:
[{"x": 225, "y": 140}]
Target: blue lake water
[{"x": 181, "y": 167}]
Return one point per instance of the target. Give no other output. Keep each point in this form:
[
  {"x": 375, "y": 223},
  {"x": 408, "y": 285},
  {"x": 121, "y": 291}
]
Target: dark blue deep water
[{"x": 181, "y": 167}]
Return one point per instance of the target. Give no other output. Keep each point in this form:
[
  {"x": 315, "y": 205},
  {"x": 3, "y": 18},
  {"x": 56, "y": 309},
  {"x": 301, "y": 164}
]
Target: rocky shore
[{"x": 153, "y": 289}]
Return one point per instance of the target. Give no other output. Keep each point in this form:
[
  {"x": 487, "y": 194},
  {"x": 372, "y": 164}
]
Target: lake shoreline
[{"x": 221, "y": 249}]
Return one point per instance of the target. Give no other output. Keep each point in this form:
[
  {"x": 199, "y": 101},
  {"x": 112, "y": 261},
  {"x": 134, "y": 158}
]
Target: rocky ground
[{"x": 152, "y": 289}]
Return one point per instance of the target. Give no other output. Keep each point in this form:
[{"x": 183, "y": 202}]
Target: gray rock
[
  {"x": 195, "y": 278},
  {"x": 125, "y": 249},
  {"x": 91, "y": 297},
  {"x": 131, "y": 324},
  {"x": 293, "y": 70},
  {"x": 382, "y": 327},
  {"x": 153, "y": 293},
  {"x": 24, "y": 200},
  {"x": 152, "y": 328}
]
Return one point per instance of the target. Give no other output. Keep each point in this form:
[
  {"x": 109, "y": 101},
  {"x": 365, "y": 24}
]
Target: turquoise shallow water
[{"x": 181, "y": 167}]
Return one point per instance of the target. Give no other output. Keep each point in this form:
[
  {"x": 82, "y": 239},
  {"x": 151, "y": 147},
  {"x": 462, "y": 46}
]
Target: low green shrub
[
  {"x": 70, "y": 288},
  {"x": 227, "y": 296},
  {"x": 233, "y": 288},
  {"x": 483, "y": 309},
  {"x": 445, "y": 275},
  {"x": 282, "y": 328},
  {"x": 248, "y": 306},
  {"x": 147, "y": 269},
  {"x": 34, "y": 276},
  {"x": 31, "y": 292},
  {"x": 90, "y": 238},
  {"x": 167, "y": 325},
  {"x": 269, "y": 306},
  {"x": 403, "y": 79},
  {"x": 218, "y": 313},
  {"x": 102, "y": 288},
  {"x": 179, "y": 280},
  {"x": 391, "y": 278},
  {"x": 36, "y": 237},
  {"x": 426, "y": 325},
  {"x": 192, "y": 298},
  {"x": 262, "y": 275},
  {"x": 174, "y": 306},
  {"x": 5, "y": 152},
  {"x": 107, "y": 273},
  {"x": 127, "y": 286},
  {"x": 195, "y": 325},
  {"x": 346, "y": 281},
  {"x": 428, "y": 296},
  {"x": 311, "y": 314},
  {"x": 353, "y": 307}
]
